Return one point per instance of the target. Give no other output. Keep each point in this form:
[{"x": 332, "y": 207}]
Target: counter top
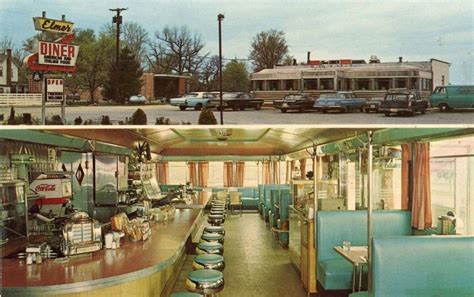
[{"x": 105, "y": 267}]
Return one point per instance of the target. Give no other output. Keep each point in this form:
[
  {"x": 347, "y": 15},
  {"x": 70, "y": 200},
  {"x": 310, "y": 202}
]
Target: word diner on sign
[
  {"x": 50, "y": 25},
  {"x": 54, "y": 89},
  {"x": 53, "y": 53}
]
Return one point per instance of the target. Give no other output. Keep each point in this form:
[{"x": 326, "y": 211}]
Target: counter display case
[{"x": 13, "y": 212}]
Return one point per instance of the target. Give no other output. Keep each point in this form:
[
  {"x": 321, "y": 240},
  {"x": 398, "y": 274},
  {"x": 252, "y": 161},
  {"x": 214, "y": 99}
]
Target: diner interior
[{"x": 265, "y": 211}]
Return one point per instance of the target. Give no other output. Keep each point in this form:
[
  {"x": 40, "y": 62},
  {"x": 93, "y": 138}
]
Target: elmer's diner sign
[
  {"x": 50, "y": 25},
  {"x": 53, "y": 53}
]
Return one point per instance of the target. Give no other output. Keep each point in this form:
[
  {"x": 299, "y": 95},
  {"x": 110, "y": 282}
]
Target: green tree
[
  {"x": 124, "y": 77},
  {"x": 138, "y": 118},
  {"x": 268, "y": 48},
  {"x": 95, "y": 55},
  {"x": 235, "y": 77}
]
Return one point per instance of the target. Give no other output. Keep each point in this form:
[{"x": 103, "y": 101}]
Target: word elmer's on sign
[
  {"x": 50, "y": 25},
  {"x": 52, "y": 53}
]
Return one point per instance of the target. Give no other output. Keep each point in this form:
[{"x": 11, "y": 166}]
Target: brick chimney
[{"x": 9, "y": 68}]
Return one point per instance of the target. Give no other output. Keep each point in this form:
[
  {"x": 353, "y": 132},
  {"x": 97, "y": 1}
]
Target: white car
[
  {"x": 137, "y": 99},
  {"x": 196, "y": 100}
]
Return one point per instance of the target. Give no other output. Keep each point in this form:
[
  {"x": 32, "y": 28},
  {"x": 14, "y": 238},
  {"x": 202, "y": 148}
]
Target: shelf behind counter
[{"x": 136, "y": 268}]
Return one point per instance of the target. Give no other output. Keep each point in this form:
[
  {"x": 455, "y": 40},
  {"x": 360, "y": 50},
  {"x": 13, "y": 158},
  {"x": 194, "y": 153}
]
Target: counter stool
[
  {"x": 205, "y": 281},
  {"x": 214, "y": 229},
  {"x": 212, "y": 237},
  {"x": 215, "y": 220},
  {"x": 209, "y": 248},
  {"x": 217, "y": 212},
  {"x": 185, "y": 294},
  {"x": 209, "y": 261}
]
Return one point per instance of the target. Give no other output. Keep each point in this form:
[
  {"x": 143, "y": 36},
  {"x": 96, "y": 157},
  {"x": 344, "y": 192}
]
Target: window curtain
[
  {"x": 406, "y": 160},
  {"x": 192, "y": 176},
  {"x": 240, "y": 172},
  {"x": 421, "y": 204},
  {"x": 228, "y": 174},
  {"x": 203, "y": 174},
  {"x": 275, "y": 173},
  {"x": 163, "y": 172},
  {"x": 303, "y": 168},
  {"x": 266, "y": 173},
  {"x": 290, "y": 167}
]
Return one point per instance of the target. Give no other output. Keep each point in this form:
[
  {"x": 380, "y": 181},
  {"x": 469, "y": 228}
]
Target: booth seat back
[
  {"x": 248, "y": 192},
  {"x": 267, "y": 193},
  {"x": 333, "y": 227},
  {"x": 218, "y": 189},
  {"x": 423, "y": 266}
]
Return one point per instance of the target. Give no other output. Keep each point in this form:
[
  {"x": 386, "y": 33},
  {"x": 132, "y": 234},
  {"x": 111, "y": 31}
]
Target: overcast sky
[{"x": 415, "y": 30}]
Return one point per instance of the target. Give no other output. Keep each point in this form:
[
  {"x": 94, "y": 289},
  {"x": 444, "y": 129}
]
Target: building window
[
  {"x": 383, "y": 83},
  {"x": 327, "y": 84},
  {"x": 310, "y": 84},
  {"x": 216, "y": 173},
  {"x": 400, "y": 83},
  {"x": 290, "y": 84},
  {"x": 362, "y": 84},
  {"x": 1, "y": 71},
  {"x": 452, "y": 177},
  {"x": 258, "y": 85},
  {"x": 273, "y": 85},
  {"x": 442, "y": 80}
]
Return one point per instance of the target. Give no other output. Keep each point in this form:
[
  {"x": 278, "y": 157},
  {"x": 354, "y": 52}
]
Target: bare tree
[
  {"x": 135, "y": 38},
  {"x": 267, "y": 49},
  {"x": 178, "y": 50},
  {"x": 208, "y": 73}
]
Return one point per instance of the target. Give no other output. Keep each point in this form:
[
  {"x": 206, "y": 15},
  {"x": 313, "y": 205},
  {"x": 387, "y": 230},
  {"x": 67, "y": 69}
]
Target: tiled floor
[{"x": 256, "y": 265}]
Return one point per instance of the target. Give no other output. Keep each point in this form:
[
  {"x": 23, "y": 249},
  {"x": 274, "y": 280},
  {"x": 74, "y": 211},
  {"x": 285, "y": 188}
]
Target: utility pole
[
  {"x": 220, "y": 17},
  {"x": 117, "y": 20}
]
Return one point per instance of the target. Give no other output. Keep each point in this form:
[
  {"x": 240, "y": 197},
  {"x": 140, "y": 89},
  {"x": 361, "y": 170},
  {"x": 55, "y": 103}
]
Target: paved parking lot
[{"x": 265, "y": 116}]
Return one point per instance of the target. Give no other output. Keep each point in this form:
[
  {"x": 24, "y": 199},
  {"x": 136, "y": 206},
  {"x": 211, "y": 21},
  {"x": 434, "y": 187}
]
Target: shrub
[
  {"x": 138, "y": 118},
  {"x": 105, "y": 120},
  {"x": 206, "y": 117},
  {"x": 11, "y": 118},
  {"x": 55, "y": 120},
  {"x": 89, "y": 122},
  {"x": 162, "y": 121},
  {"x": 78, "y": 121}
]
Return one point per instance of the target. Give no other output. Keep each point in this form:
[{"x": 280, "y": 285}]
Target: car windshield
[
  {"x": 398, "y": 97},
  {"x": 230, "y": 96},
  {"x": 330, "y": 95},
  {"x": 294, "y": 97},
  {"x": 345, "y": 95}
]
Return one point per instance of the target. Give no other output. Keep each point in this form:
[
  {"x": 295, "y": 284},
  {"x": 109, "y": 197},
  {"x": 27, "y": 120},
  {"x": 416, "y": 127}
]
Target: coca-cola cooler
[{"x": 55, "y": 191}]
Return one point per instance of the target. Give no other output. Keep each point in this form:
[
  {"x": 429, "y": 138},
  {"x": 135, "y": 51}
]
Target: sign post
[{"x": 58, "y": 56}]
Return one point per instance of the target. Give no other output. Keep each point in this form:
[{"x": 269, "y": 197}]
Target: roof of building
[{"x": 14, "y": 60}]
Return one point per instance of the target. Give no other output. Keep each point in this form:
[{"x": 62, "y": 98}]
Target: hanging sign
[
  {"x": 60, "y": 54},
  {"x": 54, "y": 89},
  {"x": 50, "y": 25}
]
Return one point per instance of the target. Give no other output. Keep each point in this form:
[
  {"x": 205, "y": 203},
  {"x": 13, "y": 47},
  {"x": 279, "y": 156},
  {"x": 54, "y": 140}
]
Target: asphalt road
[{"x": 264, "y": 116}]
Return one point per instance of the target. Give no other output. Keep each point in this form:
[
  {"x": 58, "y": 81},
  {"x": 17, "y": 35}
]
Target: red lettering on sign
[{"x": 45, "y": 188}]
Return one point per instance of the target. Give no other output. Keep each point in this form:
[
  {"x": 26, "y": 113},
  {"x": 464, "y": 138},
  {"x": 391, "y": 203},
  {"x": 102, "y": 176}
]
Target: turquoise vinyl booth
[
  {"x": 248, "y": 195},
  {"x": 333, "y": 227},
  {"x": 266, "y": 198},
  {"x": 422, "y": 266}
]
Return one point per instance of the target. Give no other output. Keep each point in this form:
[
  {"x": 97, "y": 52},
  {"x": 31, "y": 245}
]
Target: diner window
[
  {"x": 290, "y": 84},
  {"x": 327, "y": 84},
  {"x": 273, "y": 85},
  {"x": 178, "y": 172},
  {"x": 362, "y": 84},
  {"x": 310, "y": 84},
  {"x": 251, "y": 174},
  {"x": 383, "y": 83},
  {"x": 216, "y": 172},
  {"x": 258, "y": 85},
  {"x": 401, "y": 83},
  {"x": 452, "y": 178}
]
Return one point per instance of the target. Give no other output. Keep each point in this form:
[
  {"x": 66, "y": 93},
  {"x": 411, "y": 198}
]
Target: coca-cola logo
[{"x": 45, "y": 188}]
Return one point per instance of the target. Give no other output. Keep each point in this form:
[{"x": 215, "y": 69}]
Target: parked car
[
  {"x": 196, "y": 100},
  {"x": 137, "y": 99},
  {"x": 403, "y": 101},
  {"x": 299, "y": 102},
  {"x": 372, "y": 104},
  {"x": 237, "y": 101},
  {"x": 341, "y": 101},
  {"x": 448, "y": 97}
]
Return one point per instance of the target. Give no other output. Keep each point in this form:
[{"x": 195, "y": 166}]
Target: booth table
[
  {"x": 136, "y": 268},
  {"x": 357, "y": 255}
]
